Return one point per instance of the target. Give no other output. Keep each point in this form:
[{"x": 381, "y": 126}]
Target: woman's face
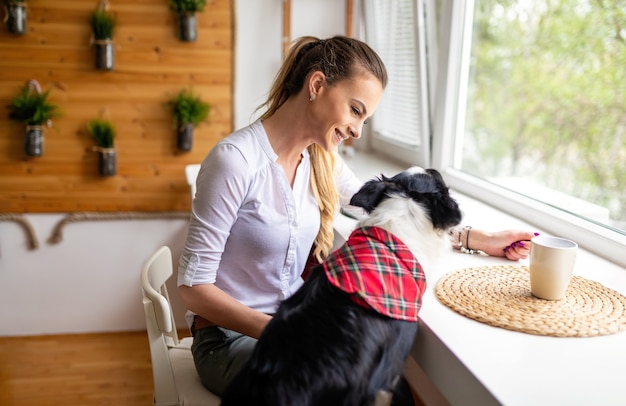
[{"x": 341, "y": 110}]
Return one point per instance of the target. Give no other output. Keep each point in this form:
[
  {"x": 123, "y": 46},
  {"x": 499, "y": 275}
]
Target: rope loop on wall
[
  {"x": 34, "y": 86},
  {"x": 103, "y": 5},
  {"x": 33, "y": 244},
  {"x": 57, "y": 231}
]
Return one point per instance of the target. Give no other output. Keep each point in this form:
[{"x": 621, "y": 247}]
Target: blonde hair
[{"x": 338, "y": 58}]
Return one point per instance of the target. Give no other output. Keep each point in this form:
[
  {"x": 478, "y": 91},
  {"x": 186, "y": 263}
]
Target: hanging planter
[
  {"x": 184, "y": 138},
  {"x": 107, "y": 161},
  {"x": 32, "y": 108},
  {"x": 187, "y": 27},
  {"x": 188, "y": 111},
  {"x": 103, "y": 25},
  {"x": 33, "y": 140},
  {"x": 105, "y": 54},
  {"x": 15, "y": 16},
  {"x": 103, "y": 133},
  {"x": 187, "y": 24}
]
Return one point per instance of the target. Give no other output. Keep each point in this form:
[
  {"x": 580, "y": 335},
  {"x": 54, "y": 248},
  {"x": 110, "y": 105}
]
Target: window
[
  {"x": 536, "y": 89},
  {"x": 529, "y": 111},
  {"x": 401, "y": 123}
]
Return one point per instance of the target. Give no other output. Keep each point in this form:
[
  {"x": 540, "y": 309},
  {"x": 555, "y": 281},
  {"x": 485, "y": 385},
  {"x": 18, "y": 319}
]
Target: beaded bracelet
[{"x": 466, "y": 249}]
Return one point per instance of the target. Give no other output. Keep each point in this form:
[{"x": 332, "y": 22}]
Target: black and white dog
[{"x": 343, "y": 337}]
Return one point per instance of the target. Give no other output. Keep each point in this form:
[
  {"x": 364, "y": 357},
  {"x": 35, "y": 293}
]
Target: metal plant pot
[
  {"x": 184, "y": 139},
  {"x": 16, "y": 18},
  {"x": 107, "y": 161},
  {"x": 187, "y": 27},
  {"x": 33, "y": 140},
  {"x": 105, "y": 54}
]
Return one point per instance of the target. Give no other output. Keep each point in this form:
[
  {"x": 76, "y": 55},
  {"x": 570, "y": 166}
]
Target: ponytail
[{"x": 339, "y": 58}]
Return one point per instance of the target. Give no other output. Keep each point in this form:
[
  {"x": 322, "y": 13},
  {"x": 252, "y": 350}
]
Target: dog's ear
[
  {"x": 429, "y": 182},
  {"x": 444, "y": 210},
  {"x": 370, "y": 194},
  {"x": 436, "y": 175}
]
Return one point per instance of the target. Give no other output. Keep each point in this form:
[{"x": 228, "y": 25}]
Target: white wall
[
  {"x": 89, "y": 282},
  {"x": 259, "y": 44}
]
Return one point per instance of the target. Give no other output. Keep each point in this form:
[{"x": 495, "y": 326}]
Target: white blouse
[{"x": 250, "y": 233}]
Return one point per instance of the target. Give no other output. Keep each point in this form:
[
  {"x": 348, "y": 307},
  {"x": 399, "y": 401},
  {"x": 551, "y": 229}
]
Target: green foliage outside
[
  {"x": 188, "y": 108},
  {"x": 32, "y": 107},
  {"x": 547, "y": 97},
  {"x": 103, "y": 24},
  {"x": 187, "y": 6},
  {"x": 102, "y": 131}
]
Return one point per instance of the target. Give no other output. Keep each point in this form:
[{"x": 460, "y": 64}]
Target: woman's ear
[{"x": 315, "y": 83}]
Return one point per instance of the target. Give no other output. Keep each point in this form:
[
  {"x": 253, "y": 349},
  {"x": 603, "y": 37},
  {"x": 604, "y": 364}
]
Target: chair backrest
[
  {"x": 191, "y": 173},
  {"x": 156, "y": 271},
  {"x": 160, "y": 324}
]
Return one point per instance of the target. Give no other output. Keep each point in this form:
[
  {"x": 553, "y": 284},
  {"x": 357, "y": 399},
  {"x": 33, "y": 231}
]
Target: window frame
[
  {"x": 412, "y": 155},
  {"x": 454, "y": 45}
]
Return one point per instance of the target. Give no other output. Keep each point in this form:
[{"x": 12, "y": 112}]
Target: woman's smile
[{"x": 340, "y": 136}]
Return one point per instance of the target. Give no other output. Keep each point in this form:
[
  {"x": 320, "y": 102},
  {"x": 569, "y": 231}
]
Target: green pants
[{"x": 219, "y": 354}]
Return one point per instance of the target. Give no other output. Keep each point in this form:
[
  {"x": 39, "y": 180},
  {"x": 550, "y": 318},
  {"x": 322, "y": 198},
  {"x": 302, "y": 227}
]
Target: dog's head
[{"x": 425, "y": 187}]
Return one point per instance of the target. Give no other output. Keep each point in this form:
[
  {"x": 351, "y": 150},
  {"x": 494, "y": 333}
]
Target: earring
[{"x": 312, "y": 97}]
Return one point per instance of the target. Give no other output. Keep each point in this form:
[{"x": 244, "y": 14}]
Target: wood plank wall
[{"x": 151, "y": 65}]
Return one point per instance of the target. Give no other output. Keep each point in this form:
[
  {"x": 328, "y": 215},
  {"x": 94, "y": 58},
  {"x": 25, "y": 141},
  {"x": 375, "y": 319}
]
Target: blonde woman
[{"x": 266, "y": 198}]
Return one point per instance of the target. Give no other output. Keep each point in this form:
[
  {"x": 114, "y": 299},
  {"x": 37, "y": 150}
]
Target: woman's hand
[
  {"x": 511, "y": 244},
  {"x": 516, "y": 244}
]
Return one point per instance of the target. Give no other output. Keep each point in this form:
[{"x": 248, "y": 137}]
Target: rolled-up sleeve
[{"x": 222, "y": 185}]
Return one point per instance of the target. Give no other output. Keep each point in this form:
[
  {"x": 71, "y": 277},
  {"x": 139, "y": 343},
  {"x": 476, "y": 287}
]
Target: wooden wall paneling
[
  {"x": 151, "y": 65},
  {"x": 286, "y": 27},
  {"x": 349, "y": 17}
]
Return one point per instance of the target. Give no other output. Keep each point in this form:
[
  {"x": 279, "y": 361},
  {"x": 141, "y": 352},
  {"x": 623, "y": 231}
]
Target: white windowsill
[{"x": 473, "y": 363}]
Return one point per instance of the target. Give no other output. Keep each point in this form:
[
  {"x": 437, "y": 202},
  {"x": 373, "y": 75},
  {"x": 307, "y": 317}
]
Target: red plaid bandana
[{"x": 379, "y": 272}]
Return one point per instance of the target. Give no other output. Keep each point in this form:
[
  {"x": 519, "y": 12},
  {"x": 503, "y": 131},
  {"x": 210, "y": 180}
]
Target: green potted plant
[
  {"x": 103, "y": 132},
  {"x": 31, "y": 107},
  {"x": 103, "y": 24},
  {"x": 186, "y": 11},
  {"x": 188, "y": 111},
  {"x": 15, "y": 16}
]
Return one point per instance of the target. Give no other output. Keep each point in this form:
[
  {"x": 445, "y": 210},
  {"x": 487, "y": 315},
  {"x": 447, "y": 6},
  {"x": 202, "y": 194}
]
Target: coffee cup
[{"x": 551, "y": 266}]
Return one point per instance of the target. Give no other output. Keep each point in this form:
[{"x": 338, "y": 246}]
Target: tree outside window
[{"x": 546, "y": 102}]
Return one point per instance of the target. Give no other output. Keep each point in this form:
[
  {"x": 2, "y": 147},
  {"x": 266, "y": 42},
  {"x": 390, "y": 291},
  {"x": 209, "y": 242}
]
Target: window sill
[
  {"x": 598, "y": 239},
  {"x": 489, "y": 365}
]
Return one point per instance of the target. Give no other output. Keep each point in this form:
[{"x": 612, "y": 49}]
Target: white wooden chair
[
  {"x": 191, "y": 173},
  {"x": 176, "y": 381}
]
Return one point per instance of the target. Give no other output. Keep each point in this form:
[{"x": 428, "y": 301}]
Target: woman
[{"x": 267, "y": 195}]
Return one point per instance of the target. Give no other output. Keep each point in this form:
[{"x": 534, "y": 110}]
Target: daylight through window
[{"x": 545, "y": 113}]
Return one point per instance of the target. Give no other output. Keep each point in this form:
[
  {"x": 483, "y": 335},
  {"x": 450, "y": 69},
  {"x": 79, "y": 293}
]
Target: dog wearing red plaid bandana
[{"x": 343, "y": 337}]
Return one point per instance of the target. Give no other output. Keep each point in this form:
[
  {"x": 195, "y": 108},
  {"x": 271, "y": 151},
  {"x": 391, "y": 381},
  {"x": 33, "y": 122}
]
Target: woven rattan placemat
[{"x": 500, "y": 296}]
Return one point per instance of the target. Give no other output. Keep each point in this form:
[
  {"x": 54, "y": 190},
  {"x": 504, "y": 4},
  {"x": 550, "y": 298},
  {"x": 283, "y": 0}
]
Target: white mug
[{"x": 551, "y": 266}]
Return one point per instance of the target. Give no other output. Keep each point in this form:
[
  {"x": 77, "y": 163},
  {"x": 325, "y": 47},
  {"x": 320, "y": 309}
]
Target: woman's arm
[
  {"x": 512, "y": 244},
  {"x": 213, "y": 304},
  {"x": 222, "y": 183}
]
